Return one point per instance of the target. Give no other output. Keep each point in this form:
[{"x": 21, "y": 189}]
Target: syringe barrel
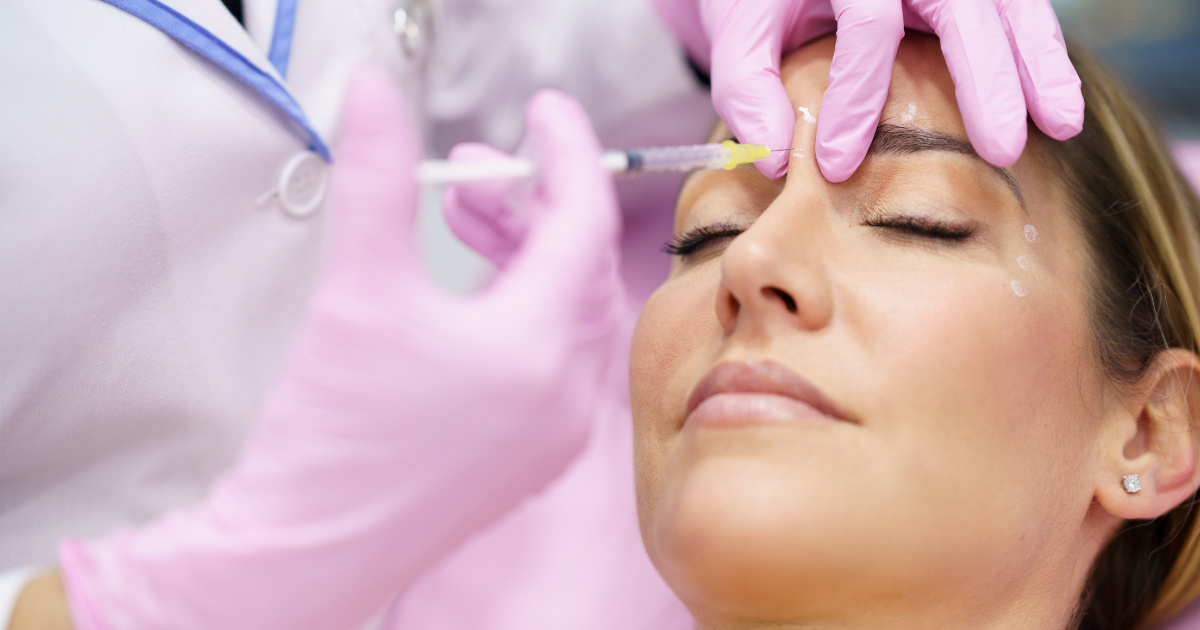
[{"x": 680, "y": 158}]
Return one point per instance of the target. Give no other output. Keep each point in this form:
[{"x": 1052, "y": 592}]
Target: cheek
[
  {"x": 973, "y": 379},
  {"x": 974, "y": 429},
  {"x": 676, "y": 329}
]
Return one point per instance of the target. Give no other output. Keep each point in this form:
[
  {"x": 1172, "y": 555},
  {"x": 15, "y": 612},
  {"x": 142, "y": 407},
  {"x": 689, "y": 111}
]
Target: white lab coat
[{"x": 149, "y": 282}]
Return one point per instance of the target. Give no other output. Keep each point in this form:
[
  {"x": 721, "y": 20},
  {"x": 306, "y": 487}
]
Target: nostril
[{"x": 782, "y": 295}]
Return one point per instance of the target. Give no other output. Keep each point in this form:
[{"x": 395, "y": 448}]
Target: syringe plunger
[{"x": 726, "y": 155}]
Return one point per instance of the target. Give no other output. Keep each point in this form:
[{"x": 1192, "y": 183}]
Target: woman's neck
[{"x": 1045, "y": 596}]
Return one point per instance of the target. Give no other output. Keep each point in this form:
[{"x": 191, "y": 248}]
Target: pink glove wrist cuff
[{"x": 76, "y": 568}]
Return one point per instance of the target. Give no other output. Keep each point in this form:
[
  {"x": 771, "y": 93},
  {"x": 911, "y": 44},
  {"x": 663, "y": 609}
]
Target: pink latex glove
[
  {"x": 1006, "y": 57},
  {"x": 407, "y": 418},
  {"x": 1187, "y": 156},
  {"x": 486, "y": 215},
  {"x": 571, "y": 557}
]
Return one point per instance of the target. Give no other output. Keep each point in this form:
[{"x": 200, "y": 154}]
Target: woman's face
[{"x": 878, "y": 394}]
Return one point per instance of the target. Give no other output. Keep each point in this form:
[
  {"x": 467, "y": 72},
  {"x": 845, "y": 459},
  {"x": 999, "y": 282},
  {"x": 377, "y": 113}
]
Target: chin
[{"x": 736, "y": 535}]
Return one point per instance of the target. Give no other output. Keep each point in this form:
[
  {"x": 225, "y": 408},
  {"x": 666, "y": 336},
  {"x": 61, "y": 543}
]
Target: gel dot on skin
[
  {"x": 1024, "y": 263},
  {"x": 1031, "y": 234},
  {"x": 909, "y": 115},
  {"x": 808, "y": 117},
  {"x": 1017, "y": 288}
]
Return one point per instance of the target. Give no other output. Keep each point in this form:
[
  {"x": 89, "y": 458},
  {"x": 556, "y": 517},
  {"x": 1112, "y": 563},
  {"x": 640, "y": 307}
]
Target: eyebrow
[{"x": 899, "y": 140}]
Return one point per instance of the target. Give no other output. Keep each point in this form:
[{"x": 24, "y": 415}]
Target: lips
[{"x": 754, "y": 392}]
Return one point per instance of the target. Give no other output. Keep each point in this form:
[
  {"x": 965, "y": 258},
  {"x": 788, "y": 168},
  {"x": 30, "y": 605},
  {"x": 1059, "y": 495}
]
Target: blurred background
[{"x": 1155, "y": 44}]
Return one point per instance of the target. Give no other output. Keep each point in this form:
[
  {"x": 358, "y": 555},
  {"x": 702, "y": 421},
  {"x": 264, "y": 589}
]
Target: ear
[{"x": 1154, "y": 436}]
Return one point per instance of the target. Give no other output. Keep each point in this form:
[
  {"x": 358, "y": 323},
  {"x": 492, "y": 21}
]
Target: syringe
[{"x": 726, "y": 155}]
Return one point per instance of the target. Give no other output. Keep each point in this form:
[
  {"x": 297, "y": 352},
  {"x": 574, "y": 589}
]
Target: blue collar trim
[
  {"x": 281, "y": 39},
  {"x": 207, "y": 45}
]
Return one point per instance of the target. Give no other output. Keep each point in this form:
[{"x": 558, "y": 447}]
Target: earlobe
[{"x": 1156, "y": 439}]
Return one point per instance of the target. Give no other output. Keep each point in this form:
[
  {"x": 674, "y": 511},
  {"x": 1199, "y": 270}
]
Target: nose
[{"x": 773, "y": 275}]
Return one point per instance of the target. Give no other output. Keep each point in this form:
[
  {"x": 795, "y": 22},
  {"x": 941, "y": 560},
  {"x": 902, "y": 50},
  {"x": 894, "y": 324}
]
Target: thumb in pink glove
[
  {"x": 1006, "y": 57},
  {"x": 487, "y": 216},
  {"x": 491, "y": 217},
  {"x": 407, "y": 418}
]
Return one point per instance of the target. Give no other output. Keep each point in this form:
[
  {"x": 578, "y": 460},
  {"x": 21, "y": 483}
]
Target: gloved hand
[
  {"x": 486, "y": 215},
  {"x": 1187, "y": 156},
  {"x": 1004, "y": 55},
  {"x": 407, "y": 419}
]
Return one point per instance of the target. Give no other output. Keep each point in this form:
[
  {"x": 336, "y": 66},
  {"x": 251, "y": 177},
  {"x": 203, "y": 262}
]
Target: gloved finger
[
  {"x": 868, "y": 35},
  {"x": 570, "y": 255},
  {"x": 987, "y": 85},
  {"x": 985, "y": 75},
  {"x": 478, "y": 213},
  {"x": 683, "y": 18},
  {"x": 1051, "y": 85},
  {"x": 746, "y": 89},
  {"x": 373, "y": 197},
  {"x": 914, "y": 22}
]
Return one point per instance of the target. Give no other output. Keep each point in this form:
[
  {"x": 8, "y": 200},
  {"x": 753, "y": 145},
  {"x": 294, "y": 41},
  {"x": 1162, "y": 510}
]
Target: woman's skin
[{"x": 976, "y": 469}]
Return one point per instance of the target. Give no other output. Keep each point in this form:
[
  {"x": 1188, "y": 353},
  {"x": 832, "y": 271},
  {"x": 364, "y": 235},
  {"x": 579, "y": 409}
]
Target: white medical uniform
[{"x": 161, "y": 220}]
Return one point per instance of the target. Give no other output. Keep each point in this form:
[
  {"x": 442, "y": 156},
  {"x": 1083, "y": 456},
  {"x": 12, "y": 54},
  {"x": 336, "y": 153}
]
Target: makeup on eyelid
[{"x": 944, "y": 212}]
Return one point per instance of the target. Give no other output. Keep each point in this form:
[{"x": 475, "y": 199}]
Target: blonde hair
[{"x": 1141, "y": 221}]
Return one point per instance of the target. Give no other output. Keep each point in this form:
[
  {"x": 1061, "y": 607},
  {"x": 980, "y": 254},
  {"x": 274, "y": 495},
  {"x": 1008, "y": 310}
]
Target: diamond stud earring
[{"x": 1131, "y": 484}]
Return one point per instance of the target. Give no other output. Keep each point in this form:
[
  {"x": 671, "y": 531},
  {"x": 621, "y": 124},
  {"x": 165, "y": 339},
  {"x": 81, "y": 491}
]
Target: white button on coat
[
  {"x": 148, "y": 297},
  {"x": 302, "y": 184}
]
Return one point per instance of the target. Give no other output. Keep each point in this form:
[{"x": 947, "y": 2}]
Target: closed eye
[
  {"x": 700, "y": 238},
  {"x": 922, "y": 227}
]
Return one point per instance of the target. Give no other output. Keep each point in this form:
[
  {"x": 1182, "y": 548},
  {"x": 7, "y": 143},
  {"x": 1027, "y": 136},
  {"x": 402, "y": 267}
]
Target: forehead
[{"x": 921, "y": 93}]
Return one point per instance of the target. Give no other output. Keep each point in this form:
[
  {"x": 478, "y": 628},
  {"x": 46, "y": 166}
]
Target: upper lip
[{"x": 766, "y": 377}]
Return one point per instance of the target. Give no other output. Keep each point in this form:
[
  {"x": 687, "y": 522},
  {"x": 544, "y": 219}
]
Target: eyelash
[
  {"x": 923, "y": 227},
  {"x": 698, "y": 238}
]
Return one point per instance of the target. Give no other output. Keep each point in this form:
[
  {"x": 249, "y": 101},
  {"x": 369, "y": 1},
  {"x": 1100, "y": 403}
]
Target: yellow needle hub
[{"x": 744, "y": 153}]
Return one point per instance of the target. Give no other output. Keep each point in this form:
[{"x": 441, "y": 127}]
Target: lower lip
[{"x": 749, "y": 408}]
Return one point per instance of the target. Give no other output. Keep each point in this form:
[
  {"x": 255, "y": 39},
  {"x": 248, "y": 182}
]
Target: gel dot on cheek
[
  {"x": 1024, "y": 263},
  {"x": 1031, "y": 234},
  {"x": 1017, "y": 287}
]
